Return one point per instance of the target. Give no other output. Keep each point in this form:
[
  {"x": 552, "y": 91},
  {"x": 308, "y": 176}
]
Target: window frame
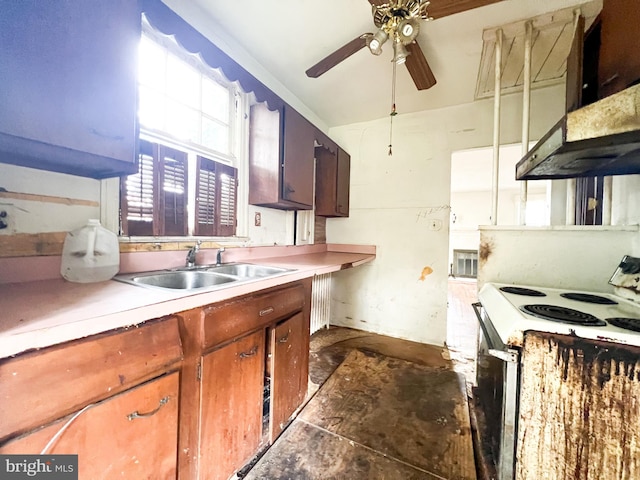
[{"x": 235, "y": 161}]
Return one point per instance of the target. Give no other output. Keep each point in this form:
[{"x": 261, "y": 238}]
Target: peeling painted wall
[{"x": 400, "y": 203}]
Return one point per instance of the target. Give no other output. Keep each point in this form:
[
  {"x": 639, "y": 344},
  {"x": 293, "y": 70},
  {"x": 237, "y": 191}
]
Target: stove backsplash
[
  {"x": 626, "y": 278},
  {"x": 577, "y": 258}
]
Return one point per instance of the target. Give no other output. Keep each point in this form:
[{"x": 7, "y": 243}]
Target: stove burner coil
[
  {"x": 556, "y": 313},
  {"x": 523, "y": 291},
  {"x": 626, "y": 323},
  {"x": 588, "y": 298}
]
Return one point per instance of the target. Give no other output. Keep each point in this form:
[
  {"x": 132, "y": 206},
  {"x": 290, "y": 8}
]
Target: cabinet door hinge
[{"x": 199, "y": 371}]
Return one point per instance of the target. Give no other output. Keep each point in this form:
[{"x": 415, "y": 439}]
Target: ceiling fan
[{"x": 398, "y": 21}]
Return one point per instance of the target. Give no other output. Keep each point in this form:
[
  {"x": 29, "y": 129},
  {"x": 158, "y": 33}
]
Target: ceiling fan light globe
[
  {"x": 408, "y": 30},
  {"x": 375, "y": 42}
]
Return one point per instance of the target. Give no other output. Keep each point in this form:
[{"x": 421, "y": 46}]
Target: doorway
[{"x": 471, "y": 195}]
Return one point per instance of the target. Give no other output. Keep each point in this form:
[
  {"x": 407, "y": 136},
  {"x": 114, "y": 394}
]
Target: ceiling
[{"x": 286, "y": 37}]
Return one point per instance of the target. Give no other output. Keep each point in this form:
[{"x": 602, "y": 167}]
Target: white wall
[
  {"x": 400, "y": 203},
  {"x": 560, "y": 257},
  {"x": 626, "y": 200},
  {"x": 43, "y": 208}
]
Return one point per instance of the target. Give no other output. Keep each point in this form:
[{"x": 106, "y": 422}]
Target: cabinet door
[
  {"x": 264, "y": 155},
  {"x": 231, "y": 409},
  {"x": 298, "y": 156},
  {"x": 131, "y": 435},
  {"x": 289, "y": 346},
  {"x": 333, "y": 169},
  {"x": 344, "y": 174},
  {"x": 619, "y": 62},
  {"x": 281, "y": 149},
  {"x": 69, "y": 88}
]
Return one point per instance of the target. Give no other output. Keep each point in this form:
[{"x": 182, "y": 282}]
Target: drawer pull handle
[
  {"x": 249, "y": 353},
  {"x": 284, "y": 338},
  {"x": 266, "y": 311},
  {"x": 136, "y": 414}
]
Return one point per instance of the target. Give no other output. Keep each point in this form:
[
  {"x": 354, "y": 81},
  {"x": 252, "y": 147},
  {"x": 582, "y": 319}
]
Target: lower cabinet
[
  {"x": 112, "y": 399},
  {"x": 245, "y": 373},
  {"x": 131, "y": 435},
  {"x": 289, "y": 370},
  {"x": 195, "y": 395},
  {"x": 231, "y": 409}
]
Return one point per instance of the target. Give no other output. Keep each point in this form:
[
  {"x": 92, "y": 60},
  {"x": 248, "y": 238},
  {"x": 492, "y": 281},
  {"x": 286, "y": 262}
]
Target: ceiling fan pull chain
[{"x": 393, "y": 107}]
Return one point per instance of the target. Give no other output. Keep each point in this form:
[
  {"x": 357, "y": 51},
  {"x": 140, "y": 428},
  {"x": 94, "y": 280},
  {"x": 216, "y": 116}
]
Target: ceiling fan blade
[
  {"x": 338, "y": 56},
  {"x": 442, "y": 8},
  {"x": 377, "y": 3},
  {"x": 419, "y": 68}
]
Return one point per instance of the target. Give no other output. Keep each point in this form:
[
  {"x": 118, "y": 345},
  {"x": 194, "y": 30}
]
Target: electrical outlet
[{"x": 258, "y": 219}]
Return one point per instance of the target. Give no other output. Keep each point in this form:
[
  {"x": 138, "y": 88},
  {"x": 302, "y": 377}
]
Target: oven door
[{"x": 497, "y": 381}]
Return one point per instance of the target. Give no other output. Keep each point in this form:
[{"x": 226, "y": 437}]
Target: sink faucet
[
  {"x": 191, "y": 254},
  {"x": 219, "y": 256}
]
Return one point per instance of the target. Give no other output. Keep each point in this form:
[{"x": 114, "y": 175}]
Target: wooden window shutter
[
  {"x": 228, "y": 193},
  {"x": 138, "y": 197},
  {"x": 216, "y": 198},
  {"x": 206, "y": 197},
  {"x": 173, "y": 192}
]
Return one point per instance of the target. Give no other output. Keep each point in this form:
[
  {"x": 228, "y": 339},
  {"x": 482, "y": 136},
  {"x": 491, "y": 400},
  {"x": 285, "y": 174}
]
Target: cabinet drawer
[
  {"x": 38, "y": 387},
  {"x": 107, "y": 436},
  {"x": 230, "y": 320}
]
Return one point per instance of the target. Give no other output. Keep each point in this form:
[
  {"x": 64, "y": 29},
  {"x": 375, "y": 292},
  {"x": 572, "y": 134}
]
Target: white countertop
[{"x": 47, "y": 312}]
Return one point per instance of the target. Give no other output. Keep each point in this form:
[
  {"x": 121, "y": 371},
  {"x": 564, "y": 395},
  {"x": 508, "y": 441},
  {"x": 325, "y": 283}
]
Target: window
[
  {"x": 465, "y": 263},
  {"x": 187, "y": 180},
  {"x": 215, "y": 199}
]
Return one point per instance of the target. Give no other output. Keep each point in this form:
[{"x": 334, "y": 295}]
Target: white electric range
[
  {"x": 506, "y": 312},
  {"x": 515, "y": 309}
]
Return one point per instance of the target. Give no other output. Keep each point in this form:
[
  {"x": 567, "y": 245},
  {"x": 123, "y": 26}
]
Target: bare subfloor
[{"x": 379, "y": 408}]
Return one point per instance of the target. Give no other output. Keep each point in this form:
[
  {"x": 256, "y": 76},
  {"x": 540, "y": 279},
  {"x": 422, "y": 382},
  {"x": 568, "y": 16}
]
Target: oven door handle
[{"x": 496, "y": 347}]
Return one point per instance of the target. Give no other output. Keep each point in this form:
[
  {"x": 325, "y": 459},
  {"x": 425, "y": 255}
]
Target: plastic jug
[{"x": 90, "y": 254}]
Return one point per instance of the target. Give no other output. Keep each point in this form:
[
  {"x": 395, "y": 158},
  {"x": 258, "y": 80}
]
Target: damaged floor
[{"x": 383, "y": 408}]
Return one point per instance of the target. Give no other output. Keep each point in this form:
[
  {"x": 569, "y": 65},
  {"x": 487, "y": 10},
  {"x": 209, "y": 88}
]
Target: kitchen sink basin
[
  {"x": 202, "y": 277},
  {"x": 182, "y": 280},
  {"x": 246, "y": 270}
]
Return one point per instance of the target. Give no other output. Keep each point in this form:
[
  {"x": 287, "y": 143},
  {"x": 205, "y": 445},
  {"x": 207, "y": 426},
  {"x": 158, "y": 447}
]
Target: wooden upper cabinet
[
  {"x": 333, "y": 167},
  {"x": 618, "y": 62},
  {"x": 281, "y": 159},
  {"x": 69, "y": 86},
  {"x": 575, "y": 74},
  {"x": 298, "y": 156}
]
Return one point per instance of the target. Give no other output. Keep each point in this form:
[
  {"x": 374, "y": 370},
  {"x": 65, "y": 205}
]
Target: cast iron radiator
[{"x": 320, "y": 302}]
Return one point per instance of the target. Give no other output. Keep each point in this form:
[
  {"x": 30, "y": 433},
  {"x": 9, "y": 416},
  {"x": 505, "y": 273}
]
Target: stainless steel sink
[
  {"x": 202, "y": 277},
  {"x": 182, "y": 280},
  {"x": 246, "y": 270}
]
